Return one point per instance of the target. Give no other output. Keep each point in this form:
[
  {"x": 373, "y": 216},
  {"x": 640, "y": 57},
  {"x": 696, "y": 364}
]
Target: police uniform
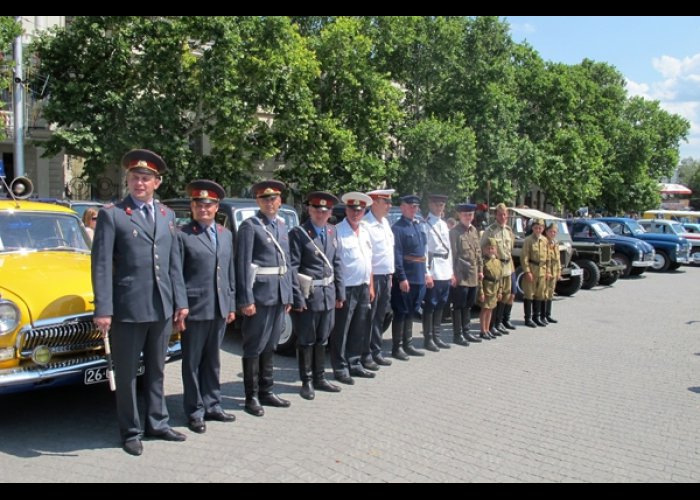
[
  {"x": 263, "y": 279},
  {"x": 554, "y": 271},
  {"x": 468, "y": 265},
  {"x": 534, "y": 260},
  {"x": 137, "y": 281},
  {"x": 490, "y": 287},
  {"x": 382, "y": 270},
  {"x": 352, "y": 319},
  {"x": 440, "y": 270},
  {"x": 410, "y": 262},
  {"x": 506, "y": 241},
  {"x": 209, "y": 271},
  {"x": 314, "y": 316}
]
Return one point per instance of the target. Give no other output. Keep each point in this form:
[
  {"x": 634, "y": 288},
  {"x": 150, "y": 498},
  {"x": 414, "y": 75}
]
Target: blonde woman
[{"x": 90, "y": 221}]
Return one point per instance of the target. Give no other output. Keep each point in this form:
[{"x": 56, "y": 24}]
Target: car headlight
[{"x": 9, "y": 317}]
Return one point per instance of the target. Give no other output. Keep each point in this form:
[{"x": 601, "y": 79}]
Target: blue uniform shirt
[{"x": 410, "y": 247}]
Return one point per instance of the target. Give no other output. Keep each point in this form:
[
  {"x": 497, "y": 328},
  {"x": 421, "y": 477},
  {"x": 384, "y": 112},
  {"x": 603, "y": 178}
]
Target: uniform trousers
[
  {"x": 436, "y": 297},
  {"x": 262, "y": 330},
  {"x": 380, "y": 308},
  {"x": 313, "y": 327},
  {"x": 351, "y": 329}
]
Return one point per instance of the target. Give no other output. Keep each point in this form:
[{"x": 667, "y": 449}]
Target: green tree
[
  {"x": 9, "y": 30},
  {"x": 689, "y": 175}
]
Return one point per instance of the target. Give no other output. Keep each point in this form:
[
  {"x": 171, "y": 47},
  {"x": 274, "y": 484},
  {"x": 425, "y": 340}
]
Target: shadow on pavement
[{"x": 694, "y": 389}]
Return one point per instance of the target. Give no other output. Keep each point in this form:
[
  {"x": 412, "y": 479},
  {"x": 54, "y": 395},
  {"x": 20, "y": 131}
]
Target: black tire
[
  {"x": 519, "y": 275},
  {"x": 591, "y": 273},
  {"x": 607, "y": 279},
  {"x": 661, "y": 262},
  {"x": 569, "y": 287},
  {"x": 288, "y": 339},
  {"x": 623, "y": 259},
  {"x": 638, "y": 271},
  {"x": 675, "y": 266}
]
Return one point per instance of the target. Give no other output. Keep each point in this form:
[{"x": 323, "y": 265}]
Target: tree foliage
[{"x": 9, "y": 30}]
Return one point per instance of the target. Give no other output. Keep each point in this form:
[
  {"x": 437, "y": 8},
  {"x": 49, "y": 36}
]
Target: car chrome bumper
[{"x": 642, "y": 263}]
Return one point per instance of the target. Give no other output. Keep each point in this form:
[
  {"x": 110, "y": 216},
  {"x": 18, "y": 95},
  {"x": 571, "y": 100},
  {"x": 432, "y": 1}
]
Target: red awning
[{"x": 674, "y": 189}]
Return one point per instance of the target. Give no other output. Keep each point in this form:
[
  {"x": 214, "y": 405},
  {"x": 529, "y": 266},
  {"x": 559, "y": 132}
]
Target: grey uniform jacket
[
  {"x": 307, "y": 260},
  {"x": 136, "y": 276},
  {"x": 254, "y": 245},
  {"x": 209, "y": 275}
]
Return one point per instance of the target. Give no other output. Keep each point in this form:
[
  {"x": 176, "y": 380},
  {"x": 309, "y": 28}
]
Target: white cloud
[{"x": 523, "y": 28}]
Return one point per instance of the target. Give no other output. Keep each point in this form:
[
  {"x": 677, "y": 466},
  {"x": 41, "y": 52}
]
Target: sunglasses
[{"x": 94, "y": 218}]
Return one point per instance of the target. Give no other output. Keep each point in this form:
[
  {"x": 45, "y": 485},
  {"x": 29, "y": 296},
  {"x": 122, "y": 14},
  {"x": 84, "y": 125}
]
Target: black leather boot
[
  {"x": 543, "y": 312},
  {"x": 506, "y": 317},
  {"x": 466, "y": 325},
  {"x": 437, "y": 324},
  {"x": 408, "y": 339},
  {"x": 527, "y": 305},
  {"x": 320, "y": 382},
  {"x": 267, "y": 397},
  {"x": 457, "y": 327},
  {"x": 396, "y": 338},
  {"x": 428, "y": 343},
  {"x": 251, "y": 369},
  {"x": 536, "y": 311},
  {"x": 548, "y": 312},
  {"x": 500, "y": 308},
  {"x": 306, "y": 356}
]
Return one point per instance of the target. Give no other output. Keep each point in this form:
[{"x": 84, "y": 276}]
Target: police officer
[
  {"x": 410, "y": 279},
  {"x": 553, "y": 270},
  {"x": 440, "y": 270},
  {"x": 503, "y": 234},
  {"x": 469, "y": 270},
  {"x": 209, "y": 270},
  {"x": 382, "y": 269},
  {"x": 352, "y": 320},
  {"x": 263, "y": 293},
  {"x": 314, "y": 254},
  {"x": 139, "y": 293},
  {"x": 534, "y": 260}
]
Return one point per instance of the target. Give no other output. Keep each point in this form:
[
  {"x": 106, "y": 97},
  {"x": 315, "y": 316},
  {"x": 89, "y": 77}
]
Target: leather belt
[
  {"x": 411, "y": 258},
  {"x": 328, "y": 280},
  {"x": 441, "y": 255},
  {"x": 492, "y": 280},
  {"x": 271, "y": 270},
  {"x": 505, "y": 261}
]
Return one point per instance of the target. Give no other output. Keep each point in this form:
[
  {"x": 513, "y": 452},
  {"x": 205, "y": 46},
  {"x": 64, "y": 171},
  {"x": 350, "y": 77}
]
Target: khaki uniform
[
  {"x": 506, "y": 241},
  {"x": 491, "y": 285},
  {"x": 535, "y": 259},
  {"x": 553, "y": 268},
  {"x": 466, "y": 246}
]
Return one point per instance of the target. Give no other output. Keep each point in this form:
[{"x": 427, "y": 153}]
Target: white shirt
[
  {"x": 355, "y": 253},
  {"x": 441, "y": 266},
  {"x": 382, "y": 238}
]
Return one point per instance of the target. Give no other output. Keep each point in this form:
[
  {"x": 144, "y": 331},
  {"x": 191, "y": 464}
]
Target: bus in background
[{"x": 677, "y": 215}]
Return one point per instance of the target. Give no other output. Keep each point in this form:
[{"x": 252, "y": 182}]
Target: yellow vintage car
[{"x": 47, "y": 337}]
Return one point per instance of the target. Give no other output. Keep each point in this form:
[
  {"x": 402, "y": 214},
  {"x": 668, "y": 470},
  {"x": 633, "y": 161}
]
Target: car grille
[
  {"x": 61, "y": 339},
  {"x": 606, "y": 253}
]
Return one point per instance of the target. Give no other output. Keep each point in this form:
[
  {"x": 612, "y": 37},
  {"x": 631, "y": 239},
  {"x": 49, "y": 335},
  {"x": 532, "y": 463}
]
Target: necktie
[
  {"x": 212, "y": 236},
  {"x": 148, "y": 218},
  {"x": 323, "y": 236}
]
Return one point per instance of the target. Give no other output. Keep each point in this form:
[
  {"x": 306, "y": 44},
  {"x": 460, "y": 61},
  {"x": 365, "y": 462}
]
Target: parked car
[
  {"x": 47, "y": 337},
  {"x": 232, "y": 212},
  {"x": 635, "y": 255},
  {"x": 664, "y": 226},
  {"x": 671, "y": 251},
  {"x": 81, "y": 205},
  {"x": 693, "y": 228}
]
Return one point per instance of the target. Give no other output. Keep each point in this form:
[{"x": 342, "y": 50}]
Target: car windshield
[
  {"x": 33, "y": 231},
  {"x": 289, "y": 216},
  {"x": 602, "y": 230},
  {"x": 635, "y": 228}
]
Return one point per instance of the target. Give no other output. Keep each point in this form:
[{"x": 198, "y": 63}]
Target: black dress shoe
[
  {"x": 485, "y": 336},
  {"x": 133, "y": 447},
  {"x": 345, "y": 379},
  {"x": 370, "y": 365},
  {"x": 381, "y": 360},
  {"x": 412, "y": 351},
  {"x": 459, "y": 340},
  {"x": 472, "y": 338},
  {"x": 325, "y": 386},
  {"x": 169, "y": 435},
  {"x": 274, "y": 400},
  {"x": 400, "y": 354},
  {"x": 252, "y": 407},
  {"x": 197, "y": 425},
  {"x": 220, "y": 416},
  {"x": 361, "y": 372}
]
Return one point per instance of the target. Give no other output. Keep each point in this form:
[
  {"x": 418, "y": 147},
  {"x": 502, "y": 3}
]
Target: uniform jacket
[
  {"x": 491, "y": 284},
  {"x": 136, "y": 276},
  {"x": 506, "y": 242},
  {"x": 466, "y": 246},
  {"x": 209, "y": 275},
  {"x": 410, "y": 240},
  {"x": 254, "y": 245},
  {"x": 439, "y": 251},
  {"x": 554, "y": 265},
  {"x": 535, "y": 255},
  {"x": 305, "y": 259}
]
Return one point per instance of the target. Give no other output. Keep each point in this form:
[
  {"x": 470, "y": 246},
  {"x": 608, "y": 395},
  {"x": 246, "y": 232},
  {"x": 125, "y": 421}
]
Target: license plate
[
  {"x": 576, "y": 272},
  {"x": 99, "y": 375}
]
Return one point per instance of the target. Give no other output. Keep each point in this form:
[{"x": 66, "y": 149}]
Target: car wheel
[
  {"x": 569, "y": 287},
  {"x": 661, "y": 262},
  {"x": 519, "y": 276},
  {"x": 288, "y": 338},
  {"x": 622, "y": 259},
  {"x": 608, "y": 279},
  {"x": 591, "y": 273}
]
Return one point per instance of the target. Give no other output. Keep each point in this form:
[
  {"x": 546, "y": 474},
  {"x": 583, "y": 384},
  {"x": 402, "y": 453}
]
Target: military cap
[
  {"x": 356, "y": 201},
  {"x": 267, "y": 188},
  {"x": 437, "y": 198},
  {"x": 491, "y": 242},
  {"x": 381, "y": 194},
  {"x": 538, "y": 221},
  {"x": 321, "y": 200},
  {"x": 205, "y": 190},
  {"x": 410, "y": 199},
  {"x": 144, "y": 161},
  {"x": 466, "y": 207}
]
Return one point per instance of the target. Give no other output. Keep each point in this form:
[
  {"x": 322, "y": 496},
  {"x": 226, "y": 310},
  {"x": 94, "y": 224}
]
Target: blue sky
[{"x": 658, "y": 55}]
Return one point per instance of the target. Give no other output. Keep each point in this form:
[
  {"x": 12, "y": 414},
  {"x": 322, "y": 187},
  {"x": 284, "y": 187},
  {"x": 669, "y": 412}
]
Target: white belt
[
  {"x": 324, "y": 282},
  {"x": 271, "y": 270}
]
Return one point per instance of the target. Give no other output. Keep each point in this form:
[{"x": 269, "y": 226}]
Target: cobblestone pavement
[{"x": 611, "y": 393}]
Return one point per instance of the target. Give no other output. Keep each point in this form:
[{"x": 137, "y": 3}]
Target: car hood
[
  {"x": 626, "y": 240},
  {"x": 669, "y": 238},
  {"x": 50, "y": 284}
]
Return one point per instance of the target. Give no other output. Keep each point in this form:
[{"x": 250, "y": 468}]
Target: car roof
[
  {"x": 531, "y": 213},
  {"x": 34, "y": 206}
]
